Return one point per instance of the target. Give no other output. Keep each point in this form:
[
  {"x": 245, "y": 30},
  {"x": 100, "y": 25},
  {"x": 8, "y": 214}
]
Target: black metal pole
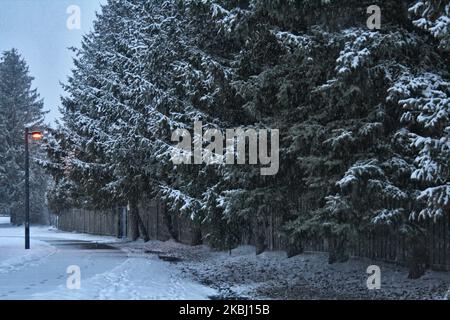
[{"x": 27, "y": 192}]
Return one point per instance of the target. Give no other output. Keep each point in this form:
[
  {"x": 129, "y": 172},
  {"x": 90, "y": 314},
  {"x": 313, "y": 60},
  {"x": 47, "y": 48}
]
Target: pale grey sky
[{"x": 38, "y": 29}]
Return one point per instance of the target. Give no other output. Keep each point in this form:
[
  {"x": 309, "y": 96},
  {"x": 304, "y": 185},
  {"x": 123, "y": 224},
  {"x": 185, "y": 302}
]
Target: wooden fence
[
  {"x": 393, "y": 247},
  {"x": 114, "y": 222},
  {"x": 381, "y": 245},
  {"x": 105, "y": 222}
]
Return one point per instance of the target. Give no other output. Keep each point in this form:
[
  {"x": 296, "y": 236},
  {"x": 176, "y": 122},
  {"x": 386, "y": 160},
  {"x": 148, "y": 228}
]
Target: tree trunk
[
  {"x": 294, "y": 248},
  {"x": 13, "y": 218},
  {"x": 134, "y": 220},
  {"x": 142, "y": 229},
  {"x": 417, "y": 258},
  {"x": 260, "y": 239},
  {"x": 170, "y": 223},
  {"x": 17, "y": 216},
  {"x": 197, "y": 237},
  {"x": 338, "y": 250}
]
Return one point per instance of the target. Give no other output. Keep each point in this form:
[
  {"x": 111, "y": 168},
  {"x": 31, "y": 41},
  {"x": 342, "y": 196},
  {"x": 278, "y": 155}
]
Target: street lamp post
[
  {"x": 27, "y": 191},
  {"x": 36, "y": 135}
]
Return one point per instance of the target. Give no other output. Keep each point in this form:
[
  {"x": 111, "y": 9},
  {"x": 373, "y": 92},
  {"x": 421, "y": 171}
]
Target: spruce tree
[
  {"x": 20, "y": 106},
  {"x": 362, "y": 115}
]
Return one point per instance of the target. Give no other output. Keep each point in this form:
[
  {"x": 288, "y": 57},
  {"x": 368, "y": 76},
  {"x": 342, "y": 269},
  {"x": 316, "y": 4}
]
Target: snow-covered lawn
[
  {"x": 13, "y": 256},
  {"x": 272, "y": 275}
]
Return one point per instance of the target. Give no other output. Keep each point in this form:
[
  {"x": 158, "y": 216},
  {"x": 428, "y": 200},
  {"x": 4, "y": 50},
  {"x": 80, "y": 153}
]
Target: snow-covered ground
[
  {"x": 14, "y": 257},
  {"x": 4, "y": 220},
  {"x": 106, "y": 272},
  {"x": 135, "y": 279},
  {"x": 272, "y": 275},
  {"x": 12, "y": 254},
  {"x": 114, "y": 269}
]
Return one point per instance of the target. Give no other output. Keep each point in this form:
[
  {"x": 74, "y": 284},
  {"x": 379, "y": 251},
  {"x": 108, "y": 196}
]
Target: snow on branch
[{"x": 434, "y": 17}]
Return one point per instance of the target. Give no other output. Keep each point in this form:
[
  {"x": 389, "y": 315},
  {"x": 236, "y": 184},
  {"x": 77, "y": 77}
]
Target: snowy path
[{"x": 106, "y": 273}]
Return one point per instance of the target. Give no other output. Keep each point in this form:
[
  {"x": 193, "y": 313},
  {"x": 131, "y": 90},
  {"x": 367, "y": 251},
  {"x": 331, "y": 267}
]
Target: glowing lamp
[{"x": 37, "y": 135}]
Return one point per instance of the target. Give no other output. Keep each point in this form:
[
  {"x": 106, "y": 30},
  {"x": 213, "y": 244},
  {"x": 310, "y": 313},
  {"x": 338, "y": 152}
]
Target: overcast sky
[{"x": 38, "y": 29}]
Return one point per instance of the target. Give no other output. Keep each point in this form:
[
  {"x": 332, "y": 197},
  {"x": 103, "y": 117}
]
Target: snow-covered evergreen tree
[
  {"x": 434, "y": 17},
  {"x": 20, "y": 105},
  {"x": 406, "y": 178},
  {"x": 363, "y": 115}
]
